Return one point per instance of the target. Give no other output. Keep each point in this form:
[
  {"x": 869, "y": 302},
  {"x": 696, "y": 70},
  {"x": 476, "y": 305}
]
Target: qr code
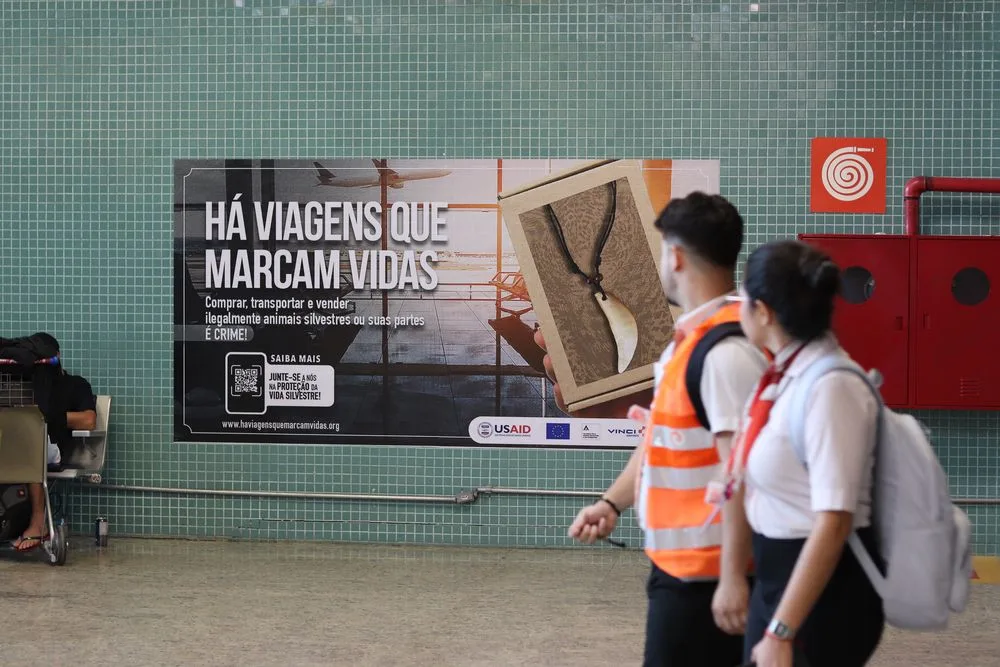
[{"x": 246, "y": 380}]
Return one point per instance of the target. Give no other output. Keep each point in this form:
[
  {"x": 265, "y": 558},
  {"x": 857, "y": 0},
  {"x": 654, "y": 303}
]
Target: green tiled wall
[{"x": 98, "y": 98}]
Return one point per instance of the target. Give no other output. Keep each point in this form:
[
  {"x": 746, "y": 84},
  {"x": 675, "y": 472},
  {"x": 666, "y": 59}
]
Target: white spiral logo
[{"x": 848, "y": 176}]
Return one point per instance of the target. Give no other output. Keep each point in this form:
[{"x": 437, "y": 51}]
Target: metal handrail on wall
[{"x": 462, "y": 497}]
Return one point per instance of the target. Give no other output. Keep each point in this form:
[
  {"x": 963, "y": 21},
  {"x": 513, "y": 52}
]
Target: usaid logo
[
  {"x": 512, "y": 429},
  {"x": 485, "y": 429}
]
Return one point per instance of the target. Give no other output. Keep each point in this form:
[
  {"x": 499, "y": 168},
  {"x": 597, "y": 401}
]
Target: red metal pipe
[{"x": 918, "y": 185}]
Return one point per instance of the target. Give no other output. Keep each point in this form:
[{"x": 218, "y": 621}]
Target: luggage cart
[{"x": 24, "y": 443}]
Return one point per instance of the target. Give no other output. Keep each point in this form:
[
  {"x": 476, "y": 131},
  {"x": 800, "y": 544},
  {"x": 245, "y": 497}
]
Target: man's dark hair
[
  {"x": 798, "y": 282},
  {"x": 707, "y": 225}
]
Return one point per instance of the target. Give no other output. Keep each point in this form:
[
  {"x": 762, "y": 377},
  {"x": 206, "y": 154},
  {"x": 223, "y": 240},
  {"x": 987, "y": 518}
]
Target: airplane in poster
[{"x": 395, "y": 179}]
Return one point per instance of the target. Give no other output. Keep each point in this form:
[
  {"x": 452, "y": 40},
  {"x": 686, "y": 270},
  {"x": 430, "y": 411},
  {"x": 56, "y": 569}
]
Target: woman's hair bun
[
  {"x": 826, "y": 276},
  {"x": 798, "y": 282}
]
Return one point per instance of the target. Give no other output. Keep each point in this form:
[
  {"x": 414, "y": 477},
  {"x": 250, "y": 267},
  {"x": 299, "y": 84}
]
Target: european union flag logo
[{"x": 558, "y": 431}]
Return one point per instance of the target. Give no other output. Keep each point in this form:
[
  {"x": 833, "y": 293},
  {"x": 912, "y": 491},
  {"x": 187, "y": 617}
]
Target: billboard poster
[{"x": 353, "y": 301}]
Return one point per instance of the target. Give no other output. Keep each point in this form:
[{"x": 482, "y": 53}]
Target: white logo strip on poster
[{"x": 556, "y": 432}]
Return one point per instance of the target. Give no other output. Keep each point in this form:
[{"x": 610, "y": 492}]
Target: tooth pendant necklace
[{"x": 623, "y": 326}]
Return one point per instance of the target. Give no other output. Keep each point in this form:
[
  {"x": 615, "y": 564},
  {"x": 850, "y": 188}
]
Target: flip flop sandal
[{"x": 36, "y": 541}]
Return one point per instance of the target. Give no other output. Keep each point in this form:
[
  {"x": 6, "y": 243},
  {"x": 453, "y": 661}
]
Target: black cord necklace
[
  {"x": 594, "y": 280},
  {"x": 622, "y": 323}
]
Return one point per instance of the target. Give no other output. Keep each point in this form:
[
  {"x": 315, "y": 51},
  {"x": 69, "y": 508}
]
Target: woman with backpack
[{"x": 812, "y": 603}]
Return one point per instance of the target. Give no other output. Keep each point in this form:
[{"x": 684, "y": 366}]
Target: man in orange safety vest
[{"x": 702, "y": 382}]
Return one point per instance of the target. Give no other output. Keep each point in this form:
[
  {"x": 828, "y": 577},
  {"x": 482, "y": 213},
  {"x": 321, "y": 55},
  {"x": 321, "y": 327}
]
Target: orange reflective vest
[{"x": 679, "y": 459}]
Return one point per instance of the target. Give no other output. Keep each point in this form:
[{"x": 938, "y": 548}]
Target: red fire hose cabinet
[{"x": 923, "y": 310}]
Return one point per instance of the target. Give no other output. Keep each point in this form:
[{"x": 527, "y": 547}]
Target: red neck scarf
[{"x": 757, "y": 417}]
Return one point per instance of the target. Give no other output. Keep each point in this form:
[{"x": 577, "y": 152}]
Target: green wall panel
[{"x": 98, "y": 98}]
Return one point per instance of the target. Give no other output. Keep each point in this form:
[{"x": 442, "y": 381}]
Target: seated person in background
[{"x": 74, "y": 394}]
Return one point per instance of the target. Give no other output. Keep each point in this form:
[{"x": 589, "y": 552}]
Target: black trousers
[
  {"x": 846, "y": 624},
  {"x": 680, "y": 629}
]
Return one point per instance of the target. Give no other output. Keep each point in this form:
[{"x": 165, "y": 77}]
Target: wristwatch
[{"x": 780, "y": 631}]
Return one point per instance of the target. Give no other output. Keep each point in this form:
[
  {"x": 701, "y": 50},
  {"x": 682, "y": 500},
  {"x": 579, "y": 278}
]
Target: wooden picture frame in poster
[{"x": 604, "y": 328}]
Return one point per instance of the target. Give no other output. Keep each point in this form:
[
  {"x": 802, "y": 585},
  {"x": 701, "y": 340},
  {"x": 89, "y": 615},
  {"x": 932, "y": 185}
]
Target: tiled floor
[{"x": 143, "y": 602}]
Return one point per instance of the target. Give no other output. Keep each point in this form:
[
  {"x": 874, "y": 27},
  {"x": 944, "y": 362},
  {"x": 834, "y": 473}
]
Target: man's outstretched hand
[{"x": 614, "y": 409}]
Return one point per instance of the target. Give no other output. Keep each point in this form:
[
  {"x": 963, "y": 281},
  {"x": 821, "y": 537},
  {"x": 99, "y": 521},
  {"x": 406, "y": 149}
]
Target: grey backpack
[{"x": 923, "y": 539}]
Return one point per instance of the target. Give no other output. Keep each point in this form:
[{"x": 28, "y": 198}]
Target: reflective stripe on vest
[
  {"x": 679, "y": 460},
  {"x": 683, "y": 538},
  {"x": 683, "y": 480},
  {"x": 687, "y": 439}
]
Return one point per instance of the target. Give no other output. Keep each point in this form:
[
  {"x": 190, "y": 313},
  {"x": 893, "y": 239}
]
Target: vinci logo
[
  {"x": 512, "y": 429},
  {"x": 848, "y": 175},
  {"x": 631, "y": 432}
]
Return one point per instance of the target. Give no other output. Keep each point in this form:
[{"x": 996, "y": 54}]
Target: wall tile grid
[{"x": 99, "y": 98}]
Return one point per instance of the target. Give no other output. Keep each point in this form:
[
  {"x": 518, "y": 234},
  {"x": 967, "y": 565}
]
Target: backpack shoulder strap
[
  {"x": 797, "y": 428},
  {"x": 801, "y": 391},
  {"x": 696, "y": 364}
]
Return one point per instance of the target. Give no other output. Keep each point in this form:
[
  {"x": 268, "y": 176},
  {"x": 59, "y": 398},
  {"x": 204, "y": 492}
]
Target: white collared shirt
[
  {"x": 782, "y": 496},
  {"x": 729, "y": 375}
]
